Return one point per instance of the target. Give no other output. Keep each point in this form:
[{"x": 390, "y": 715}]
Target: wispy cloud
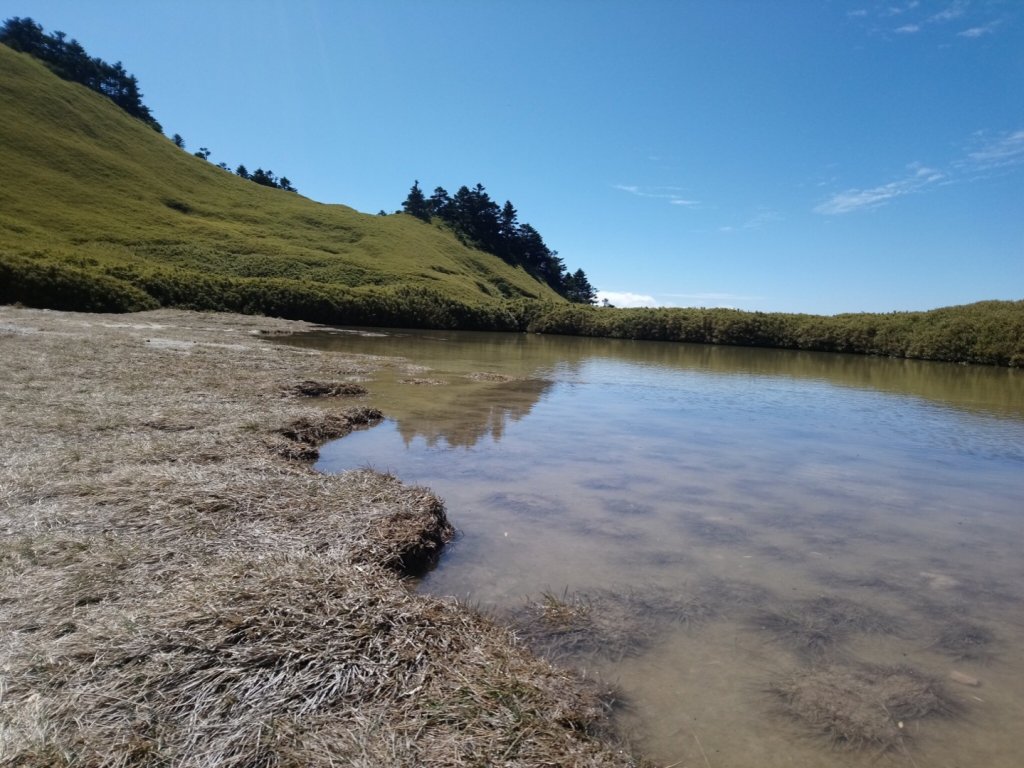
[
  {"x": 759, "y": 219},
  {"x": 910, "y": 18},
  {"x": 671, "y": 194},
  {"x": 987, "y": 155},
  {"x": 627, "y": 299},
  {"x": 899, "y": 10},
  {"x": 976, "y": 32},
  {"x": 858, "y": 199},
  {"x": 954, "y": 11},
  {"x": 998, "y": 152}
]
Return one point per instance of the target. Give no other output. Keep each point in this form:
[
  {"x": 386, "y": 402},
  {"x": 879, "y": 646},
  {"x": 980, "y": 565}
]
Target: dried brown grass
[
  {"x": 174, "y": 593},
  {"x": 863, "y": 706},
  {"x": 310, "y": 388},
  {"x": 610, "y": 623},
  {"x": 816, "y": 628}
]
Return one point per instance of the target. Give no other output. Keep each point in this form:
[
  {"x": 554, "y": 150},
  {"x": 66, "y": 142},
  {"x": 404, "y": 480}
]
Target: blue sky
[{"x": 804, "y": 156}]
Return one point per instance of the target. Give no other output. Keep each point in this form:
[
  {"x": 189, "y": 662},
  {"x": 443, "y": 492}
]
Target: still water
[{"x": 779, "y": 558}]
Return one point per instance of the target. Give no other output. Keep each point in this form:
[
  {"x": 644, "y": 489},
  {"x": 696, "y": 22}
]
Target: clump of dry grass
[
  {"x": 816, "y": 628},
  {"x": 311, "y": 388},
  {"x": 491, "y": 376},
  {"x": 173, "y": 593},
  {"x": 863, "y": 707},
  {"x": 965, "y": 641},
  {"x": 318, "y": 428},
  {"x": 609, "y": 623}
]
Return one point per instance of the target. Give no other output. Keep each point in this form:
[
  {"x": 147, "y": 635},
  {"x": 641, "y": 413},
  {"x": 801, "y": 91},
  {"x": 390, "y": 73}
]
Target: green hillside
[{"x": 98, "y": 211}]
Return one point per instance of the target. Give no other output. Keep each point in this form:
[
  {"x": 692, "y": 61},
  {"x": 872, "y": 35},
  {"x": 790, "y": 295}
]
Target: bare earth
[{"x": 180, "y": 588}]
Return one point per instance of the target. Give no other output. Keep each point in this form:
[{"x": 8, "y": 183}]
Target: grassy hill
[{"x": 98, "y": 211}]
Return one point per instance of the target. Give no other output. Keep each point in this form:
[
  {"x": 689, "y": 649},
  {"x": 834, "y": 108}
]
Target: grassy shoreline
[{"x": 177, "y": 590}]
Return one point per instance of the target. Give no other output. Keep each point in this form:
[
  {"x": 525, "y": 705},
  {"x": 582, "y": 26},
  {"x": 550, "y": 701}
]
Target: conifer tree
[{"x": 416, "y": 203}]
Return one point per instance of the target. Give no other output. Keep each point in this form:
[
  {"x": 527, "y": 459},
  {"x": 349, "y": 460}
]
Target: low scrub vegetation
[{"x": 989, "y": 332}]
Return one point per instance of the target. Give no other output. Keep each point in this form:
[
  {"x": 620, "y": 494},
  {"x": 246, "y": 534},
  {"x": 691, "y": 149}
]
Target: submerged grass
[
  {"x": 174, "y": 593},
  {"x": 817, "y": 628},
  {"x": 610, "y": 623},
  {"x": 865, "y": 706}
]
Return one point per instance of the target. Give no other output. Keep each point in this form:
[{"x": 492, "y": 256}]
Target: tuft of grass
[
  {"x": 609, "y": 623},
  {"x": 817, "y": 628},
  {"x": 310, "y": 388},
  {"x": 965, "y": 641},
  {"x": 865, "y": 707}
]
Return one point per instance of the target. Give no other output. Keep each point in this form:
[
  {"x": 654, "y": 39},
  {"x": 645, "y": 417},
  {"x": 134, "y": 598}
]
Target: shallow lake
[{"x": 779, "y": 558}]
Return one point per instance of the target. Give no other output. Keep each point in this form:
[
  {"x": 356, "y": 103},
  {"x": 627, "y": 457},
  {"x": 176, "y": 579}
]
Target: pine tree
[
  {"x": 416, "y": 204},
  {"x": 440, "y": 204}
]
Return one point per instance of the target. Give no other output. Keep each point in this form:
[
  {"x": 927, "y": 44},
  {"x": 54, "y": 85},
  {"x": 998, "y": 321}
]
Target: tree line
[
  {"x": 259, "y": 176},
  {"x": 69, "y": 60},
  {"x": 475, "y": 217}
]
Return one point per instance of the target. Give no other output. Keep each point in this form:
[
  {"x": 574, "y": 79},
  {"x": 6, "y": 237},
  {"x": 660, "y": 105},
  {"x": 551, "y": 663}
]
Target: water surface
[{"x": 699, "y": 498}]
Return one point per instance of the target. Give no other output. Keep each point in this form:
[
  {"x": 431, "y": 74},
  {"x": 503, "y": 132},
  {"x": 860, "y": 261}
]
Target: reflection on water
[{"x": 780, "y": 558}]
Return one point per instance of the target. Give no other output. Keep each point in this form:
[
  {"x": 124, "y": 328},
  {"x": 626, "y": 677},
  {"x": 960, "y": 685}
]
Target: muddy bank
[{"x": 179, "y": 587}]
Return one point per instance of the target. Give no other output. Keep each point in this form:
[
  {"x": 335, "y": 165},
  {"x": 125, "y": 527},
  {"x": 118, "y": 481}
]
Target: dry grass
[
  {"x": 965, "y": 641},
  {"x": 610, "y": 623},
  {"x": 310, "y": 388},
  {"x": 863, "y": 707},
  {"x": 175, "y": 592},
  {"x": 816, "y": 628}
]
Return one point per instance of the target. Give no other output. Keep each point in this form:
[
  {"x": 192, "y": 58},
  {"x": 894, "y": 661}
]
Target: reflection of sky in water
[{"x": 612, "y": 473}]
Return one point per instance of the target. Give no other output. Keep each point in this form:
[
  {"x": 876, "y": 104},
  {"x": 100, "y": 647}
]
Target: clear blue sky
[{"x": 805, "y": 156}]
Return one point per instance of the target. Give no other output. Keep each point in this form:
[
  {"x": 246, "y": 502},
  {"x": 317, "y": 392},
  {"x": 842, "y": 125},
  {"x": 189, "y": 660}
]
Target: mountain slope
[{"x": 89, "y": 190}]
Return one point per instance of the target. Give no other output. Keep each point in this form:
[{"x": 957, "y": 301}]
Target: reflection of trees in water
[{"x": 470, "y": 413}]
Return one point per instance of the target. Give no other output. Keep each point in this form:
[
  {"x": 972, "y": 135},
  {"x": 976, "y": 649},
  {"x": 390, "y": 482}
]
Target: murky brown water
[{"x": 741, "y": 530}]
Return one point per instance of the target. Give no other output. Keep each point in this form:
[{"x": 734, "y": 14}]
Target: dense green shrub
[
  {"x": 56, "y": 285},
  {"x": 988, "y": 332}
]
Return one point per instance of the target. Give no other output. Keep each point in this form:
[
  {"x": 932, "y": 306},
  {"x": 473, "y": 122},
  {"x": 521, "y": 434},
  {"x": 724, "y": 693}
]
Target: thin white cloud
[
  {"x": 954, "y": 11},
  {"x": 628, "y": 299},
  {"x": 671, "y": 194},
  {"x": 859, "y": 199},
  {"x": 975, "y": 32},
  {"x": 911, "y": 18},
  {"x": 999, "y": 152},
  {"x": 896, "y": 10},
  {"x": 761, "y": 218}
]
